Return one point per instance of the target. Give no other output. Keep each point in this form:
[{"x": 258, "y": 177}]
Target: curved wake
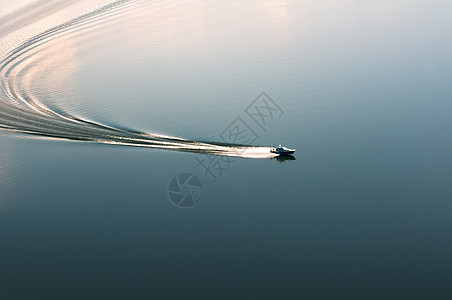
[{"x": 21, "y": 113}]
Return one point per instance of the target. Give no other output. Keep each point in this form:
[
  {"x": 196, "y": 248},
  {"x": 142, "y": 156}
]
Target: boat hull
[{"x": 283, "y": 152}]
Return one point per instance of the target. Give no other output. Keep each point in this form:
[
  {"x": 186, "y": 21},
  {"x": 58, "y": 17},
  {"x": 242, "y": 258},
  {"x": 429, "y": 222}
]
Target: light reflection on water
[{"x": 41, "y": 120}]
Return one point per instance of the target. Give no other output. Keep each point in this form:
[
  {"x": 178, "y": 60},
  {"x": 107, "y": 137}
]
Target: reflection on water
[{"x": 284, "y": 158}]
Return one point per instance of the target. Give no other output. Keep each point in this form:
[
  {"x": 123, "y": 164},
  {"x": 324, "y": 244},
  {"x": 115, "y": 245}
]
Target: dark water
[{"x": 360, "y": 88}]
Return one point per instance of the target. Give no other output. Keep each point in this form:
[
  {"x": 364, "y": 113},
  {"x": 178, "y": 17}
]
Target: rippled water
[
  {"x": 22, "y": 111},
  {"x": 96, "y": 94}
]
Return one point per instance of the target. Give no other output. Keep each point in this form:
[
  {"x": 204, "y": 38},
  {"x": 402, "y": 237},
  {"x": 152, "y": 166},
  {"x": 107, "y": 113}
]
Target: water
[{"x": 93, "y": 112}]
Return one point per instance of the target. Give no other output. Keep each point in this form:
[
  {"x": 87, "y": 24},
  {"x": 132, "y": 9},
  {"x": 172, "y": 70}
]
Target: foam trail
[{"x": 19, "y": 112}]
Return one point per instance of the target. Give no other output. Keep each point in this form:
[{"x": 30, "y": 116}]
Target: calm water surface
[{"x": 364, "y": 212}]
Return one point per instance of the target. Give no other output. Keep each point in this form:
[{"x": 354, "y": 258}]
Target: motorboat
[{"x": 282, "y": 150}]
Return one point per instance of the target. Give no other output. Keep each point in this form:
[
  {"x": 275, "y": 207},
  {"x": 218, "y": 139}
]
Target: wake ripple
[{"x": 20, "y": 113}]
